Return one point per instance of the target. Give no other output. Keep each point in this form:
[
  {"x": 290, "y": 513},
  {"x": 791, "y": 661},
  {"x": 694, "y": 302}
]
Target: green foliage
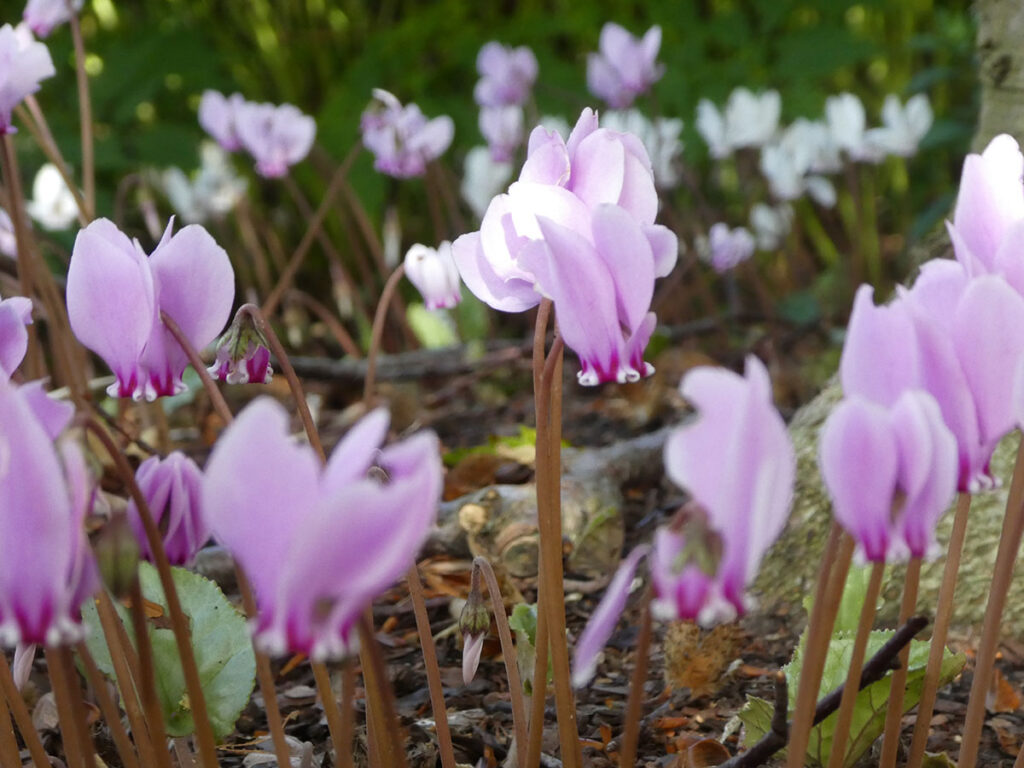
[
  {"x": 523, "y": 622},
  {"x": 433, "y": 328},
  {"x": 220, "y": 641}
]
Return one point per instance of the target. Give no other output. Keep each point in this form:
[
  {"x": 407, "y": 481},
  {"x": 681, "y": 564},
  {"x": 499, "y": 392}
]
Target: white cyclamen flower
[
  {"x": 434, "y": 274},
  {"x": 52, "y": 203},
  {"x": 660, "y": 138},
  {"x": 903, "y": 126},
  {"x": 483, "y": 179}
]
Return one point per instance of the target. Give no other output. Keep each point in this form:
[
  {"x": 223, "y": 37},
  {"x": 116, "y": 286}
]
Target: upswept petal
[
  {"x": 639, "y": 195},
  {"x": 625, "y": 251},
  {"x": 15, "y": 314},
  {"x": 604, "y": 618},
  {"x": 586, "y": 124},
  {"x": 859, "y": 461},
  {"x": 547, "y": 159},
  {"x": 598, "y": 168},
  {"x": 665, "y": 247},
  {"x": 105, "y": 265},
  {"x": 260, "y": 488},
  {"x": 527, "y": 202},
  {"x": 53, "y": 415},
  {"x": 512, "y": 295},
  {"x": 991, "y": 196},
  {"x": 357, "y": 451},
  {"x": 1009, "y": 260}
]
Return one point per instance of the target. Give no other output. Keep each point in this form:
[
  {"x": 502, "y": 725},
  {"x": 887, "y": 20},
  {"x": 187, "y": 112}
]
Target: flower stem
[
  {"x": 894, "y": 715},
  {"x": 34, "y": 120},
  {"x": 284, "y": 280},
  {"x": 342, "y": 746},
  {"x": 538, "y": 696},
  {"x": 220, "y": 405},
  {"x": 108, "y": 707},
  {"x": 837, "y": 752},
  {"x": 341, "y": 335},
  {"x": 147, "y": 677},
  {"x": 179, "y": 622},
  {"x": 378, "y": 329},
  {"x": 78, "y": 747},
  {"x": 834, "y": 566},
  {"x": 943, "y": 615},
  {"x": 85, "y": 117},
  {"x": 382, "y": 722},
  {"x": 635, "y": 703},
  {"x": 9, "y": 754},
  {"x": 1002, "y": 574},
  {"x": 434, "y": 685},
  {"x": 21, "y": 715},
  {"x": 548, "y": 406},
  {"x": 508, "y": 652}
]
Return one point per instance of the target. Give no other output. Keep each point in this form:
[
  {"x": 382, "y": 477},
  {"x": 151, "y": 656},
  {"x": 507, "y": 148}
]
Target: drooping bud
[
  {"x": 434, "y": 274},
  {"x": 474, "y": 621},
  {"x": 173, "y": 490},
  {"x": 243, "y": 356},
  {"x": 117, "y": 554}
]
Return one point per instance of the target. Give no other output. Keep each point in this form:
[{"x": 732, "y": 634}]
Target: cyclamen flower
[
  {"x": 218, "y": 115},
  {"x": 727, "y": 248},
  {"x": 891, "y": 473},
  {"x": 15, "y": 314},
  {"x": 401, "y": 138},
  {"x": 502, "y": 127},
  {"x": 660, "y": 138},
  {"x": 625, "y": 66},
  {"x": 903, "y": 126},
  {"x": 434, "y": 274},
  {"x": 318, "y": 543},
  {"x": 46, "y": 566},
  {"x": 42, "y": 16},
  {"x": 749, "y": 120},
  {"x": 243, "y": 353},
  {"x": 115, "y": 295},
  {"x": 23, "y": 63},
  {"x": 770, "y": 224},
  {"x": 482, "y": 179},
  {"x": 844, "y": 114},
  {"x": 506, "y": 75},
  {"x": 213, "y": 191},
  {"x": 738, "y": 465},
  {"x": 578, "y": 228},
  {"x": 172, "y": 488},
  {"x": 52, "y": 203},
  {"x": 948, "y": 336},
  {"x": 8, "y": 242},
  {"x": 277, "y": 136}
]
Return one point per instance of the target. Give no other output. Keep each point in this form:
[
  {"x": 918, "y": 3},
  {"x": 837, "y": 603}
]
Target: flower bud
[
  {"x": 243, "y": 356},
  {"x": 474, "y": 621},
  {"x": 434, "y": 274},
  {"x": 173, "y": 491},
  {"x": 117, "y": 554}
]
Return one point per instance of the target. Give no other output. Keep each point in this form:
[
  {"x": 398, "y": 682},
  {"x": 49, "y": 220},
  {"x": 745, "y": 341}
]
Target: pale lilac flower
[
  {"x": 8, "y": 242},
  {"x": 770, "y": 224},
  {"x": 482, "y": 179},
  {"x": 318, "y": 543},
  {"x": 218, "y": 115},
  {"x": 903, "y": 126},
  {"x": 472, "y": 647},
  {"x": 506, "y": 75},
  {"x": 891, "y": 473},
  {"x": 738, "y": 465},
  {"x": 42, "y": 16},
  {"x": 52, "y": 204},
  {"x": 277, "y": 136},
  {"x": 21, "y": 665},
  {"x": 212, "y": 192},
  {"x": 625, "y": 66},
  {"x": 844, "y": 114},
  {"x": 946, "y": 335},
  {"x": 172, "y": 488},
  {"x": 502, "y": 128},
  {"x": 115, "y": 294},
  {"x": 727, "y": 248},
  {"x": 660, "y": 138},
  {"x": 564, "y": 210},
  {"x": 23, "y": 63},
  {"x": 46, "y": 566},
  {"x": 434, "y": 274},
  {"x": 15, "y": 314},
  {"x": 401, "y": 138}
]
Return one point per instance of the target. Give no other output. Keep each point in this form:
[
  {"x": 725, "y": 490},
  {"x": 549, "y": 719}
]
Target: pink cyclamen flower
[
  {"x": 172, "y": 488},
  {"x": 46, "y": 566},
  {"x": 243, "y": 353},
  {"x": 115, "y": 295},
  {"x": 728, "y": 248},
  {"x": 43, "y": 16},
  {"x": 15, "y": 314},
  {"x": 218, "y": 115},
  {"x": 434, "y": 274},
  {"x": 401, "y": 138},
  {"x": 738, "y": 465},
  {"x": 946, "y": 335},
  {"x": 277, "y": 136},
  {"x": 625, "y": 66},
  {"x": 23, "y": 63},
  {"x": 506, "y": 75},
  {"x": 319, "y": 543},
  {"x": 590, "y": 201},
  {"x": 502, "y": 128},
  {"x": 891, "y": 473}
]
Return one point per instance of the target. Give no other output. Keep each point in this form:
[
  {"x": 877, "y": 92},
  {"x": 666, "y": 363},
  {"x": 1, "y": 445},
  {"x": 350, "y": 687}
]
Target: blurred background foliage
[{"x": 150, "y": 60}]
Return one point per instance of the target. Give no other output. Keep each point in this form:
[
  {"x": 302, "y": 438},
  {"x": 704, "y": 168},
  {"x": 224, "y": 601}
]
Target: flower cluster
[
  {"x": 277, "y": 136},
  {"x": 624, "y": 66},
  {"x": 211, "y": 192},
  {"x": 578, "y": 228},
  {"x": 188, "y": 276},
  {"x": 401, "y": 138},
  {"x": 318, "y": 544},
  {"x": 24, "y": 62}
]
